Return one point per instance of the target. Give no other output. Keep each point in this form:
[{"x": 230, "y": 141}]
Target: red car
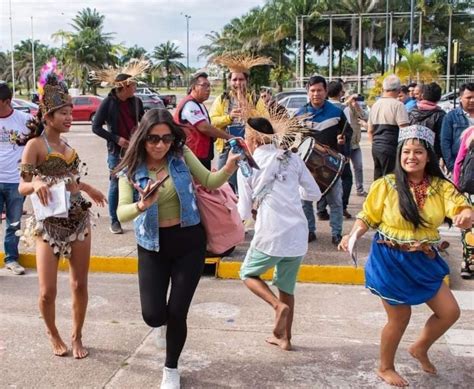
[{"x": 85, "y": 107}]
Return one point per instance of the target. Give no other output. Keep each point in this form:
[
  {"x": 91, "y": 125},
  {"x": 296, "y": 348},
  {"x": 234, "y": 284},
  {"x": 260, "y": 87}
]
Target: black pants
[
  {"x": 384, "y": 162},
  {"x": 181, "y": 261}
]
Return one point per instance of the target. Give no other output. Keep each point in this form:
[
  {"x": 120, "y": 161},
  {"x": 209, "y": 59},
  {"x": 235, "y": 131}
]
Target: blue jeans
[
  {"x": 112, "y": 161},
  {"x": 356, "y": 159},
  {"x": 12, "y": 202},
  {"x": 220, "y": 164},
  {"x": 334, "y": 199}
]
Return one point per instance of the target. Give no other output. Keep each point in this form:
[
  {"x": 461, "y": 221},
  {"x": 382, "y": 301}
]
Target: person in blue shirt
[{"x": 404, "y": 97}]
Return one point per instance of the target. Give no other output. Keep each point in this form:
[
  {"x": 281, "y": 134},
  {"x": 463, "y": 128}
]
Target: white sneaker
[
  {"x": 160, "y": 338},
  {"x": 170, "y": 379},
  {"x": 15, "y": 268}
]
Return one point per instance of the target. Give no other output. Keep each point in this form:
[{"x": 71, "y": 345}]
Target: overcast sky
[{"x": 146, "y": 23}]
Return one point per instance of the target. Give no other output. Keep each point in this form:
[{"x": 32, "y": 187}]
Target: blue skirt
[{"x": 401, "y": 277}]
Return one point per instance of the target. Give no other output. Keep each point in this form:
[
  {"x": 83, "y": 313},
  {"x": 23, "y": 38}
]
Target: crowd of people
[{"x": 154, "y": 159}]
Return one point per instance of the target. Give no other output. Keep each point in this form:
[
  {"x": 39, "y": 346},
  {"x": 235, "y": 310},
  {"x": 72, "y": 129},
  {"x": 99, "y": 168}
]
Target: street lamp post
[
  {"x": 33, "y": 55},
  {"x": 187, "y": 47},
  {"x": 12, "y": 51}
]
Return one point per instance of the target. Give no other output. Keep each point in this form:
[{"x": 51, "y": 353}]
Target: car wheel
[{"x": 92, "y": 117}]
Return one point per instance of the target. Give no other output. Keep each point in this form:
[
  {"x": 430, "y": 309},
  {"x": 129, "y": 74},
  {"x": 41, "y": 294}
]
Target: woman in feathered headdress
[
  {"x": 116, "y": 120},
  {"x": 50, "y": 171},
  {"x": 232, "y": 108}
]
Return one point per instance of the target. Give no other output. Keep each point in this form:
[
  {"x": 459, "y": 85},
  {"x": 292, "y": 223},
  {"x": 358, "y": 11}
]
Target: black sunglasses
[{"x": 155, "y": 139}]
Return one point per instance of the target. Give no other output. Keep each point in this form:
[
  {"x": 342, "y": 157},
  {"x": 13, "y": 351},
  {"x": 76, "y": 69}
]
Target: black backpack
[{"x": 466, "y": 178}]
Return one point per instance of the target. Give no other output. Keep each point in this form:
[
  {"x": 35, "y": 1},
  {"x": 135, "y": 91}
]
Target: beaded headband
[{"x": 416, "y": 131}]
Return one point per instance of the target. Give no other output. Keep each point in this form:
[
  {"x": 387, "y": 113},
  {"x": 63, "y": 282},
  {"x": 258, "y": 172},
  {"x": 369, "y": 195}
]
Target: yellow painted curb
[
  {"x": 307, "y": 273},
  {"x": 225, "y": 270}
]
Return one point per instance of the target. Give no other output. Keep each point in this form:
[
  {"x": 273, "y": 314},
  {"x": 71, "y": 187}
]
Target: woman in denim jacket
[{"x": 171, "y": 240}]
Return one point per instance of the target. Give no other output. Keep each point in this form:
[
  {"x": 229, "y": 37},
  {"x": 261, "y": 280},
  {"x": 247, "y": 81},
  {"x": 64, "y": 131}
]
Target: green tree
[
  {"x": 416, "y": 66},
  {"x": 87, "y": 47},
  {"x": 167, "y": 54}
]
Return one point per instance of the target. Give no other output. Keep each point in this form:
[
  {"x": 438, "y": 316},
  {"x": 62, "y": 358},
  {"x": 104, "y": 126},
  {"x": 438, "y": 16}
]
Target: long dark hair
[
  {"x": 136, "y": 151},
  {"x": 406, "y": 202}
]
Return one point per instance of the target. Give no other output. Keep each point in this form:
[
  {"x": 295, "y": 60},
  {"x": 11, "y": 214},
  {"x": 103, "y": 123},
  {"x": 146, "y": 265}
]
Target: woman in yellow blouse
[{"x": 404, "y": 268}]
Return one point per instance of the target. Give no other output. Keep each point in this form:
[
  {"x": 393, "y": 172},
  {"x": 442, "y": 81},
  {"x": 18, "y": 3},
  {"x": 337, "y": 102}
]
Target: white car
[{"x": 293, "y": 103}]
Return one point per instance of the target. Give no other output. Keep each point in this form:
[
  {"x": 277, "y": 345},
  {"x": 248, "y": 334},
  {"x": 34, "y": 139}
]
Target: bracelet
[{"x": 138, "y": 208}]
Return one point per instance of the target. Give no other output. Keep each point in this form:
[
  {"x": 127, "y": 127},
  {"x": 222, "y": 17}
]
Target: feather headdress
[
  {"x": 119, "y": 77},
  {"x": 279, "y": 129},
  {"x": 241, "y": 63},
  {"x": 52, "y": 90}
]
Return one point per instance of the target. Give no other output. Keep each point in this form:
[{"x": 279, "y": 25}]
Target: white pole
[
  {"x": 359, "y": 62},
  {"x": 412, "y": 17},
  {"x": 33, "y": 55},
  {"x": 391, "y": 59},
  {"x": 11, "y": 48},
  {"x": 187, "y": 45},
  {"x": 330, "y": 48},
  {"x": 297, "y": 43},
  {"x": 420, "y": 31},
  {"x": 302, "y": 59},
  {"x": 448, "y": 62}
]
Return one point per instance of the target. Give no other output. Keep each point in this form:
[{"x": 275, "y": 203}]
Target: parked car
[
  {"x": 293, "y": 92},
  {"x": 25, "y": 106},
  {"x": 293, "y": 103},
  {"x": 150, "y": 101},
  {"x": 168, "y": 100},
  {"x": 85, "y": 107},
  {"x": 448, "y": 105}
]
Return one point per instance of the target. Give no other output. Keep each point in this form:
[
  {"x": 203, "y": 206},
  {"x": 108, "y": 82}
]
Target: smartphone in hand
[{"x": 154, "y": 187}]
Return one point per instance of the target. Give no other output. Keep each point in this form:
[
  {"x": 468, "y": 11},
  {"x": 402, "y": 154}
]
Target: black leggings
[{"x": 181, "y": 260}]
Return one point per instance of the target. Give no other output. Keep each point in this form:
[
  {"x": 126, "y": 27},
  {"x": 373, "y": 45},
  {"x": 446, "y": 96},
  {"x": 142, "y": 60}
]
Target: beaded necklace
[{"x": 420, "y": 190}]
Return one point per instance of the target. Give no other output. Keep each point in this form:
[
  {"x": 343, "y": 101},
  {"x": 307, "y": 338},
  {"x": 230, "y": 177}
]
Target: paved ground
[
  {"x": 336, "y": 337},
  {"x": 336, "y": 332}
]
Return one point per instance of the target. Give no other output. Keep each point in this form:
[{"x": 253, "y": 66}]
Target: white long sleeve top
[{"x": 281, "y": 228}]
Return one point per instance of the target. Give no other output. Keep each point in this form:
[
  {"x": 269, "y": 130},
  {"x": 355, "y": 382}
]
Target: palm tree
[
  {"x": 133, "y": 52},
  {"x": 417, "y": 66},
  {"x": 87, "y": 47},
  {"x": 166, "y": 54}
]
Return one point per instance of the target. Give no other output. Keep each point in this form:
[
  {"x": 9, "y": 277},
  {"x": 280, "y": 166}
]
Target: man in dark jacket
[
  {"x": 121, "y": 111},
  {"x": 429, "y": 114}
]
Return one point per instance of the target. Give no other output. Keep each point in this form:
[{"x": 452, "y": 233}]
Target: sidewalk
[{"x": 336, "y": 337}]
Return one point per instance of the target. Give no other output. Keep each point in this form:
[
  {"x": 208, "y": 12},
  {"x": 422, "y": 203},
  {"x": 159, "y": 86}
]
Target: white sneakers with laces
[
  {"x": 15, "y": 268},
  {"x": 171, "y": 379}
]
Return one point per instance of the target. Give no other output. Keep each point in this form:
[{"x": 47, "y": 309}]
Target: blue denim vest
[{"x": 146, "y": 224}]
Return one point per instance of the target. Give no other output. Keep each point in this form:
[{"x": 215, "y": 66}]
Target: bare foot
[
  {"x": 283, "y": 343},
  {"x": 78, "y": 350},
  {"x": 59, "y": 347},
  {"x": 281, "y": 316},
  {"x": 422, "y": 357},
  {"x": 391, "y": 377}
]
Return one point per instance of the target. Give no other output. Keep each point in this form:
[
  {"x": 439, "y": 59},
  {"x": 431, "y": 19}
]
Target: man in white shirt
[
  {"x": 281, "y": 229},
  {"x": 193, "y": 116},
  {"x": 13, "y": 136}
]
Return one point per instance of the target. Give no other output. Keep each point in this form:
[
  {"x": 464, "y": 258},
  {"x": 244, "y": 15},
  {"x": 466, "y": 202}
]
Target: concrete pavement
[
  {"x": 336, "y": 337},
  {"x": 336, "y": 332}
]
